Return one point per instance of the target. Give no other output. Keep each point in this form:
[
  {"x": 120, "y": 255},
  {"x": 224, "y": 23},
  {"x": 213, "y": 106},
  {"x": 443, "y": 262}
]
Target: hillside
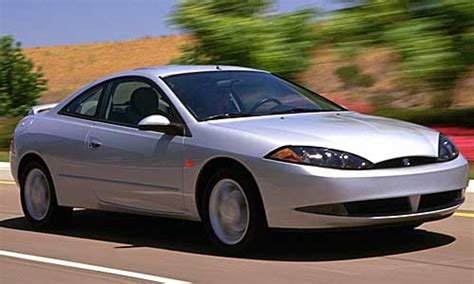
[{"x": 69, "y": 67}]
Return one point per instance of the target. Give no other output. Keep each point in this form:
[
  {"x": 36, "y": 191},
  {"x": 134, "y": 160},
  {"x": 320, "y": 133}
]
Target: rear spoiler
[{"x": 41, "y": 108}]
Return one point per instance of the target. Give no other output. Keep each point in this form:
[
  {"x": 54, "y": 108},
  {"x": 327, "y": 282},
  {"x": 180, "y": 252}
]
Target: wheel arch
[
  {"x": 25, "y": 160},
  {"x": 210, "y": 167}
]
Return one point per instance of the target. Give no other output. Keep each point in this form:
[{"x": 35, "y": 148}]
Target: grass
[
  {"x": 4, "y": 156},
  {"x": 471, "y": 170}
]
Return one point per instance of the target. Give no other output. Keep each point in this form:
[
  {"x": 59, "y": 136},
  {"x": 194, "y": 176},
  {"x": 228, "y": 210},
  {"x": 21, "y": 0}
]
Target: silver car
[{"x": 239, "y": 149}]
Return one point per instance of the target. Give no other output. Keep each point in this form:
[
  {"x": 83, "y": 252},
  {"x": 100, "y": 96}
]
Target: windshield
[{"x": 225, "y": 94}]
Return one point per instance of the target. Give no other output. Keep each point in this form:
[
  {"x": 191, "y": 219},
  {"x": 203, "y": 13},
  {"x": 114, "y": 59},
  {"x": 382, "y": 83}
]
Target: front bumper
[{"x": 286, "y": 188}]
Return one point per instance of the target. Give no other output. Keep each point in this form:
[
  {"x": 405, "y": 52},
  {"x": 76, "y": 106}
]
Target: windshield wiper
[
  {"x": 239, "y": 114},
  {"x": 297, "y": 110},
  {"x": 225, "y": 115}
]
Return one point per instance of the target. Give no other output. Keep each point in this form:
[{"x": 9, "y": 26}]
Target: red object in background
[{"x": 462, "y": 137}]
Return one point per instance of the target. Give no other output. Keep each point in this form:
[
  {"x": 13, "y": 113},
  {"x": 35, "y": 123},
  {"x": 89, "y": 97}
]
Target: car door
[
  {"x": 66, "y": 144},
  {"x": 134, "y": 169}
]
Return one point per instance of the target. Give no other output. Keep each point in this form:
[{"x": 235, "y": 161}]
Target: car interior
[{"x": 133, "y": 101}]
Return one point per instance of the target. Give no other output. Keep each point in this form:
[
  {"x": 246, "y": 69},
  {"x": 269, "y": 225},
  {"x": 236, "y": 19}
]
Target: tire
[
  {"x": 38, "y": 198},
  {"x": 243, "y": 192}
]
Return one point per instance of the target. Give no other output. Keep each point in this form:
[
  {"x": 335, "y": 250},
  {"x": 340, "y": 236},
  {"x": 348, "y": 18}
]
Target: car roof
[
  {"x": 160, "y": 71},
  {"x": 169, "y": 70}
]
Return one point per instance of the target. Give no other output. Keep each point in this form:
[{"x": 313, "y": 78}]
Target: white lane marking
[
  {"x": 90, "y": 267},
  {"x": 470, "y": 187}
]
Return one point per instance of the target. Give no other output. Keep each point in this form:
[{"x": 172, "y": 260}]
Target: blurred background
[{"x": 408, "y": 59}]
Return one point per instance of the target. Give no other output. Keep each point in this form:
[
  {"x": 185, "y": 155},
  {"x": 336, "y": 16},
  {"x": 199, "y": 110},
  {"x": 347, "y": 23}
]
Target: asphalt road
[{"x": 115, "y": 248}]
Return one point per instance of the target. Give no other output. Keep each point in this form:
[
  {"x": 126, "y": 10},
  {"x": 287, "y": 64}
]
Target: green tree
[
  {"x": 20, "y": 84},
  {"x": 434, "y": 39},
  {"x": 242, "y": 32}
]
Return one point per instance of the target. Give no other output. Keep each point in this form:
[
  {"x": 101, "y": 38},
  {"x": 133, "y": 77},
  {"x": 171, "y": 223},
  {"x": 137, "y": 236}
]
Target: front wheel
[
  {"x": 38, "y": 198},
  {"x": 233, "y": 213}
]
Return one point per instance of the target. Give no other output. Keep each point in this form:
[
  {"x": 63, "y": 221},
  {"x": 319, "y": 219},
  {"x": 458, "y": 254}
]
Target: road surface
[{"x": 114, "y": 248}]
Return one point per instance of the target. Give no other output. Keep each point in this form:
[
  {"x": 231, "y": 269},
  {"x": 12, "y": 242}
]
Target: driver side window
[{"x": 133, "y": 100}]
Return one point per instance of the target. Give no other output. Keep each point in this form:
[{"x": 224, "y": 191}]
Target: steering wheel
[{"x": 264, "y": 101}]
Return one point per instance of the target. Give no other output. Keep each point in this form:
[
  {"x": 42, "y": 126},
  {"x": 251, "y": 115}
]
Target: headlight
[
  {"x": 321, "y": 157},
  {"x": 447, "y": 151}
]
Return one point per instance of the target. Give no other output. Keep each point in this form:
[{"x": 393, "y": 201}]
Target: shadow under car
[{"x": 140, "y": 231}]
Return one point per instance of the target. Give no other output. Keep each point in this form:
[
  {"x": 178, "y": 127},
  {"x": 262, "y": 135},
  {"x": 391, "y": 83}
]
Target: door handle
[{"x": 94, "y": 144}]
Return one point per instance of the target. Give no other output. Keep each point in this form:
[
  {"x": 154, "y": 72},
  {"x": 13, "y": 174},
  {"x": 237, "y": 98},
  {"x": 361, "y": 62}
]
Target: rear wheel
[
  {"x": 233, "y": 213},
  {"x": 38, "y": 198}
]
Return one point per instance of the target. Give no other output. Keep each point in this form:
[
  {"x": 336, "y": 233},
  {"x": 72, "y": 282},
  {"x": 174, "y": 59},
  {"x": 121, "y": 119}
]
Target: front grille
[
  {"x": 409, "y": 162},
  {"x": 388, "y": 206}
]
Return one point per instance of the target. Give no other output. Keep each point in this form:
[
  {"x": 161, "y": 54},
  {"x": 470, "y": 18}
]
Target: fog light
[{"x": 337, "y": 209}]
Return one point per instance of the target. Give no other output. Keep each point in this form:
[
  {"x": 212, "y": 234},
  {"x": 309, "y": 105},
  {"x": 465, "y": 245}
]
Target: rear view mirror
[{"x": 160, "y": 123}]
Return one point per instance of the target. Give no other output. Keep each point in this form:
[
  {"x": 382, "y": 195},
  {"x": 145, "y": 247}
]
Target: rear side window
[{"x": 86, "y": 105}]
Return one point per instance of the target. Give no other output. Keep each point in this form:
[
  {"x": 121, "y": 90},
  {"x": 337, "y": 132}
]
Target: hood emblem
[{"x": 406, "y": 162}]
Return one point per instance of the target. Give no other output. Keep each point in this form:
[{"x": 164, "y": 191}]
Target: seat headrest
[{"x": 145, "y": 101}]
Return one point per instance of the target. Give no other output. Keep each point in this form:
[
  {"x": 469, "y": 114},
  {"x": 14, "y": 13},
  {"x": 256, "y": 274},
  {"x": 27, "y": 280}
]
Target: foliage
[
  {"x": 20, "y": 84},
  {"x": 7, "y": 126},
  {"x": 4, "y": 156},
  {"x": 352, "y": 76},
  {"x": 237, "y": 32},
  {"x": 434, "y": 38},
  {"x": 430, "y": 117}
]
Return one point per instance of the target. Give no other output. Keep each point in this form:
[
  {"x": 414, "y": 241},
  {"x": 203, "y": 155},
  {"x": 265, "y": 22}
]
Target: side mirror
[{"x": 160, "y": 123}]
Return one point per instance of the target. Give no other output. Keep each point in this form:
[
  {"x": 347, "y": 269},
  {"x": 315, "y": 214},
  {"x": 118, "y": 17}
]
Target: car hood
[{"x": 374, "y": 138}]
